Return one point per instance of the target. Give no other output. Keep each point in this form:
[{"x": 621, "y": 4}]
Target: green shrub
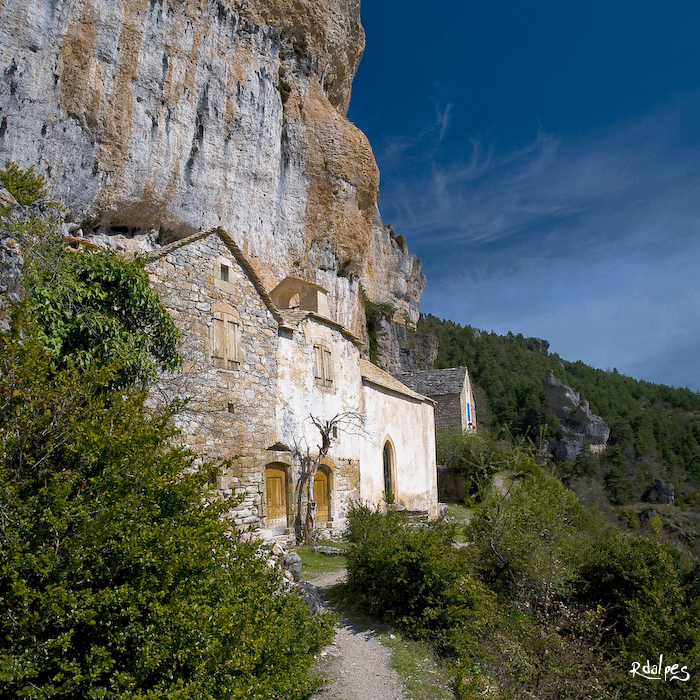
[
  {"x": 650, "y": 597},
  {"x": 23, "y": 185},
  {"x": 410, "y": 575},
  {"x": 477, "y": 455},
  {"x": 416, "y": 580},
  {"x": 530, "y": 533},
  {"x": 117, "y": 578},
  {"x": 95, "y": 307}
]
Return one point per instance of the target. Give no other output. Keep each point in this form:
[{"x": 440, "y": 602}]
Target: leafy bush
[
  {"x": 94, "y": 307},
  {"x": 475, "y": 454},
  {"x": 23, "y": 185},
  {"x": 530, "y": 533},
  {"x": 544, "y": 602},
  {"x": 651, "y": 603},
  {"x": 411, "y": 576},
  {"x": 415, "y": 579},
  {"x": 117, "y": 578}
]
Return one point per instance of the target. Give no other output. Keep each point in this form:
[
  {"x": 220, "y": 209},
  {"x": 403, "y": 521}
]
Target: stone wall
[
  {"x": 451, "y": 389},
  {"x": 231, "y": 412},
  {"x": 449, "y": 410}
]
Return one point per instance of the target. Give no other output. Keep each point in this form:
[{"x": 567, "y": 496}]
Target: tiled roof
[
  {"x": 371, "y": 373},
  {"x": 288, "y": 317},
  {"x": 237, "y": 253},
  {"x": 436, "y": 382},
  {"x": 291, "y": 318}
]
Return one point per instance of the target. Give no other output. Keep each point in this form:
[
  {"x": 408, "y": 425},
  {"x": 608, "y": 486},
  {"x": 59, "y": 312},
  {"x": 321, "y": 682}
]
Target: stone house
[
  {"x": 451, "y": 390},
  {"x": 259, "y": 367}
]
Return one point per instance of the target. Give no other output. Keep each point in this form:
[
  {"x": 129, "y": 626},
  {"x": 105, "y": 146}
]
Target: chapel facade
[{"x": 260, "y": 366}]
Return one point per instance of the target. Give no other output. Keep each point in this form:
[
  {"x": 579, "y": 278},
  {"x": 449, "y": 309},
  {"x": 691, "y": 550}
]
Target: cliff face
[
  {"x": 153, "y": 119},
  {"x": 577, "y": 422}
]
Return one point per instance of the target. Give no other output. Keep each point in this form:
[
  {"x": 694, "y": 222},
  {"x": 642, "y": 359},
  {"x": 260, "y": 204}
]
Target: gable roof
[
  {"x": 237, "y": 254},
  {"x": 436, "y": 382},
  {"x": 372, "y": 374}
]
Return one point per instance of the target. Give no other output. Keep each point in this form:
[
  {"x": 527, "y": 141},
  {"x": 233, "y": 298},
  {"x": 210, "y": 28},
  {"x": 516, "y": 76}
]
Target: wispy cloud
[
  {"x": 443, "y": 119},
  {"x": 629, "y": 187},
  {"x": 592, "y": 243}
]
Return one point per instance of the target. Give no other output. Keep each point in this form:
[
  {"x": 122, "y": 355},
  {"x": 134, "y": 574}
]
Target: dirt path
[{"x": 356, "y": 664}]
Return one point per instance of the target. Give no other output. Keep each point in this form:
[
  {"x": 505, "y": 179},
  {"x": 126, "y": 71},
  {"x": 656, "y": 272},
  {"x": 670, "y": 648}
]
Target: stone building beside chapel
[
  {"x": 259, "y": 366},
  {"x": 452, "y": 392}
]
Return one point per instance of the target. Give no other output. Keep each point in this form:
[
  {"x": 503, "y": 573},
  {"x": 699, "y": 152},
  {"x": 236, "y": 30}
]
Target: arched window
[{"x": 388, "y": 459}]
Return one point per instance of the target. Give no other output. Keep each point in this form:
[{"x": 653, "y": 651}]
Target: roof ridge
[
  {"x": 237, "y": 253},
  {"x": 382, "y": 378}
]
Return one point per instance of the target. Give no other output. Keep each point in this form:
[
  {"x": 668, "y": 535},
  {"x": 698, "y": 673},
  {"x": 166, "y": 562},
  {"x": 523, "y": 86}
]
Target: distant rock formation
[
  {"x": 394, "y": 348},
  {"x": 11, "y": 260},
  {"x": 661, "y": 492},
  {"x": 577, "y": 424}
]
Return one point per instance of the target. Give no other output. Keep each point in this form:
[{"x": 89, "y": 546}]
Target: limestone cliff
[
  {"x": 577, "y": 423},
  {"x": 153, "y": 119}
]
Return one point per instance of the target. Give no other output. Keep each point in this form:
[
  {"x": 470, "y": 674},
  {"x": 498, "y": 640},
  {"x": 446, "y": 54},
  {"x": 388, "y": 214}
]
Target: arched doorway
[
  {"x": 388, "y": 459},
  {"x": 276, "y": 490},
  {"x": 322, "y": 496}
]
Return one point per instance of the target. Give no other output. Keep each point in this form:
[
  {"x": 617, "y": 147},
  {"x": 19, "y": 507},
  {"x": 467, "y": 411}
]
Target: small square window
[
  {"x": 231, "y": 408},
  {"x": 224, "y": 273}
]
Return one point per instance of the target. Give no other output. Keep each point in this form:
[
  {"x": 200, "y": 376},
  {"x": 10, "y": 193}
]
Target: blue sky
[{"x": 543, "y": 159}]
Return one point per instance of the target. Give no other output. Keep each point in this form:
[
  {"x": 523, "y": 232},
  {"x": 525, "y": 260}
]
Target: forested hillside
[{"x": 654, "y": 429}]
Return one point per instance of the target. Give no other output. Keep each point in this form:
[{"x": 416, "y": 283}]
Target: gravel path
[{"x": 356, "y": 665}]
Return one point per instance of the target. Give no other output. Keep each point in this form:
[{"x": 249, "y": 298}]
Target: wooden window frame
[
  {"x": 225, "y": 340},
  {"x": 324, "y": 375}
]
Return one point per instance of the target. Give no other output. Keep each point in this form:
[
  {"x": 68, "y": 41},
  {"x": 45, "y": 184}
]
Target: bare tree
[{"x": 351, "y": 422}]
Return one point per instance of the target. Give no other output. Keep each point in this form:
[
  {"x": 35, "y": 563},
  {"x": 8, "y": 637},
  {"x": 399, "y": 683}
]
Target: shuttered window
[
  {"x": 225, "y": 340},
  {"x": 323, "y": 366}
]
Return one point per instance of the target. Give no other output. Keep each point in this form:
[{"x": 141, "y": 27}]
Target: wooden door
[
  {"x": 323, "y": 506},
  {"x": 276, "y": 486}
]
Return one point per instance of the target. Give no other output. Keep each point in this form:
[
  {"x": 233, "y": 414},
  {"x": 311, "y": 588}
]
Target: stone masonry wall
[
  {"x": 448, "y": 411},
  {"x": 231, "y": 413}
]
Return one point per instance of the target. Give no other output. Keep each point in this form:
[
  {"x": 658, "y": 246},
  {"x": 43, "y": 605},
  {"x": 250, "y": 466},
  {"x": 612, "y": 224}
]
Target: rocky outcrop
[
  {"x": 393, "y": 275},
  {"x": 396, "y": 347},
  {"x": 661, "y": 492},
  {"x": 153, "y": 119},
  {"x": 577, "y": 424},
  {"x": 11, "y": 261}
]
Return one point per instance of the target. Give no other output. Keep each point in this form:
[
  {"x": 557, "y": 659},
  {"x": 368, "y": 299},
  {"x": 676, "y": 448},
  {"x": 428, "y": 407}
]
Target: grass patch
[
  {"x": 459, "y": 513},
  {"x": 314, "y": 565},
  {"x": 422, "y": 674}
]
